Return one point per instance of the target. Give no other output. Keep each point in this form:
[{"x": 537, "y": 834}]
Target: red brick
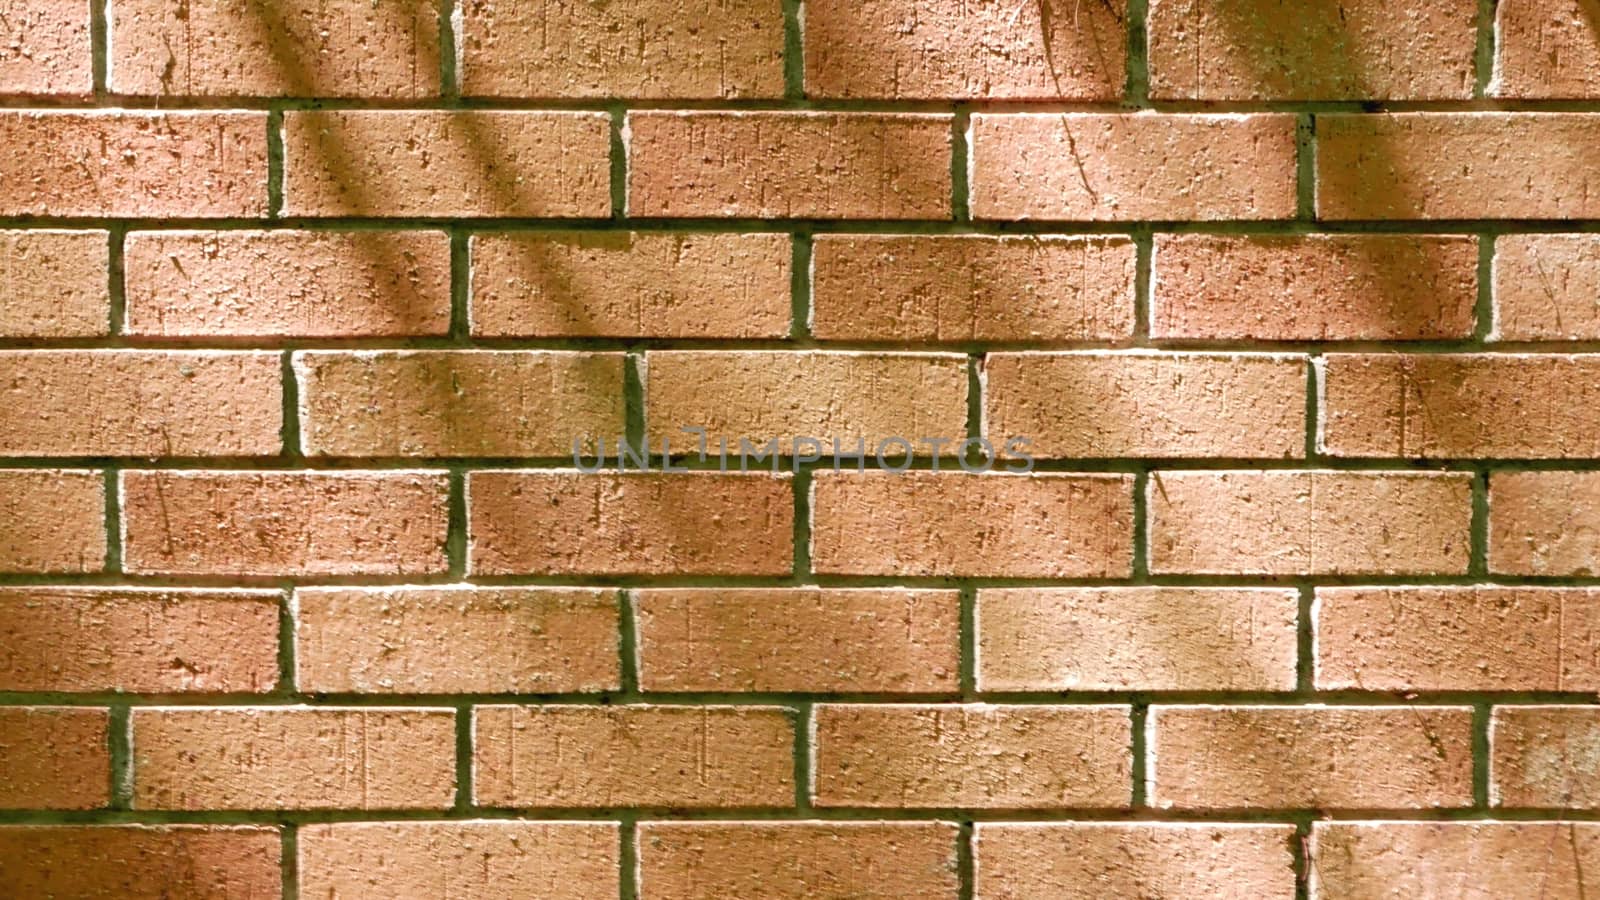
[
  {"x": 1316, "y": 757},
  {"x": 1459, "y": 860},
  {"x": 1119, "y": 404},
  {"x": 1544, "y": 523},
  {"x": 804, "y": 640},
  {"x": 630, "y": 284},
  {"x": 960, "y": 525},
  {"x": 1544, "y": 756},
  {"x": 1092, "y": 167},
  {"x": 134, "y": 164},
  {"x": 447, "y": 164},
  {"x": 972, "y": 756},
  {"x": 789, "y": 165},
  {"x": 293, "y": 758},
  {"x": 651, "y": 756},
  {"x": 288, "y": 48},
  {"x": 1544, "y": 287},
  {"x": 1546, "y": 48},
  {"x": 456, "y": 640},
  {"x": 457, "y": 402},
  {"x": 141, "y": 403},
  {"x": 814, "y": 860},
  {"x": 1352, "y": 50},
  {"x": 57, "y": 284},
  {"x": 634, "y": 48},
  {"x": 1310, "y": 523},
  {"x": 1152, "y": 859},
  {"x": 1135, "y": 639},
  {"x": 284, "y": 523},
  {"x": 917, "y": 49},
  {"x": 54, "y": 758},
  {"x": 141, "y": 640},
  {"x": 45, "y": 48},
  {"x": 961, "y": 288},
  {"x": 1321, "y": 287},
  {"x": 567, "y": 522},
  {"x": 141, "y": 862},
  {"x": 305, "y": 284},
  {"x": 489, "y": 859},
  {"x": 52, "y": 520}
]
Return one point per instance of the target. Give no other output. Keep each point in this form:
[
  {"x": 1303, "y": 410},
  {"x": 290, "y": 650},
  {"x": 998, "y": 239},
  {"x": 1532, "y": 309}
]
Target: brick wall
[{"x": 302, "y": 304}]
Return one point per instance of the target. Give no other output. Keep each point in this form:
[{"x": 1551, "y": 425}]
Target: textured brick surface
[
  {"x": 1546, "y": 48},
  {"x": 54, "y": 758},
  {"x": 56, "y": 284},
  {"x": 45, "y": 48},
  {"x": 1469, "y": 860},
  {"x": 1544, "y": 523},
  {"x": 1540, "y": 757},
  {"x": 1544, "y": 287},
  {"x": 53, "y": 521},
  {"x": 141, "y": 862}
]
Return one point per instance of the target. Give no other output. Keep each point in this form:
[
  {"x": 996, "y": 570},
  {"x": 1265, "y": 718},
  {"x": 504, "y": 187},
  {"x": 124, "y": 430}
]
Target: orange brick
[
  {"x": 634, "y": 48},
  {"x": 1543, "y": 756},
  {"x": 1543, "y": 523},
  {"x": 960, "y": 288},
  {"x": 57, "y": 284},
  {"x": 1545, "y": 48},
  {"x": 651, "y": 756},
  {"x": 1353, "y": 50},
  {"x": 1322, "y": 287},
  {"x": 52, "y": 520},
  {"x": 1111, "y": 404},
  {"x": 141, "y": 862},
  {"x": 45, "y": 48},
  {"x": 293, "y": 758},
  {"x": 1317, "y": 757},
  {"x": 456, "y": 640},
  {"x": 804, "y": 640},
  {"x": 1125, "y": 167},
  {"x": 308, "y": 284},
  {"x": 447, "y": 164},
  {"x": 1465, "y": 860},
  {"x": 141, "y": 403},
  {"x": 289, "y": 48},
  {"x": 1544, "y": 287},
  {"x": 630, "y": 284},
  {"x": 907, "y": 50},
  {"x": 386, "y": 860},
  {"x": 1310, "y": 523},
  {"x": 814, "y": 860},
  {"x": 567, "y": 522},
  {"x": 143, "y": 640},
  {"x": 284, "y": 523},
  {"x": 789, "y": 165},
  {"x": 972, "y": 755},
  {"x": 54, "y": 758},
  {"x": 458, "y": 402},
  {"x": 133, "y": 164},
  {"x": 1136, "y": 638}
]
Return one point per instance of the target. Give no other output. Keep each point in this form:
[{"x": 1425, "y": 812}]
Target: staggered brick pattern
[{"x": 1291, "y": 590}]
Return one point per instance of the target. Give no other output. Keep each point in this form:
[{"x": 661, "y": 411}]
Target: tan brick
[
  {"x": 961, "y": 288},
  {"x": 789, "y": 165},
  {"x": 1093, "y": 167},
  {"x": 45, "y": 48},
  {"x": 488, "y": 859},
  {"x": 1111, "y": 404},
  {"x": 1084, "y": 860},
  {"x": 1136, "y": 638},
  {"x": 651, "y": 756},
  {"x": 805, "y": 640},
  {"x": 140, "y": 403},
  {"x": 1316, "y": 757},
  {"x": 1546, "y": 48},
  {"x": 630, "y": 284},
  {"x": 917, "y": 49},
  {"x": 284, "y": 523},
  {"x": 288, "y": 48},
  {"x": 1454, "y": 860},
  {"x": 1544, "y": 523},
  {"x": 619, "y": 524},
  {"x": 634, "y": 48},
  {"x": 142, "y": 862},
  {"x": 447, "y": 164},
  {"x": 1544, "y": 287},
  {"x": 54, "y": 758},
  {"x": 57, "y": 284},
  {"x": 458, "y": 402},
  {"x": 293, "y": 758},
  {"x": 1321, "y": 287},
  {"x": 52, "y": 520},
  {"x": 814, "y": 860},
  {"x": 1310, "y": 523},
  {"x": 1351, "y": 50},
  {"x": 456, "y": 640},
  {"x": 1484, "y": 165},
  {"x": 133, "y": 164},
  {"x": 1544, "y": 756},
  {"x": 141, "y": 640},
  {"x": 306, "y": 284}
]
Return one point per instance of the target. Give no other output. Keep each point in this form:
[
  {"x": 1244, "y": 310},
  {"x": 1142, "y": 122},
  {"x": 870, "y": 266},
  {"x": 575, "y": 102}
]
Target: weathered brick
[
  {"x": 1546, "y": 48},
  {"x": 1543, "y": 756},
  {"x": 57, "y": 284},
  {"x": 142, "y": 862},
  {"x": 52, "y": 520},
  {"x": 789, "y": 165},
  {"x": 1544, "y": 287},
  {"x": 1456, "y": 860},
  {"x": 1544, "y": 523},
  {"x": 45, "y": 48},
  {"x": 54, "y": 758}
]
